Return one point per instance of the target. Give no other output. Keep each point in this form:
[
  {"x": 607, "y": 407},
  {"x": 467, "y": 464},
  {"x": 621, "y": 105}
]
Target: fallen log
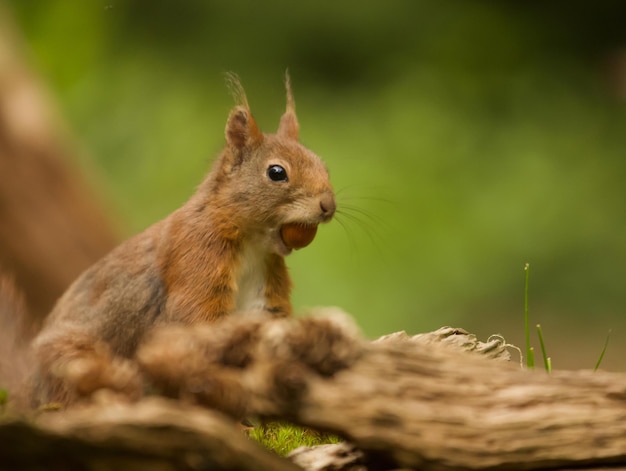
[
  {"x": 430, "y": 402},
  {"x": 417, "y": 405}
]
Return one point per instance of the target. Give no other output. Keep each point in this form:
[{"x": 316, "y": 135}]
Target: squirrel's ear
[
  {"x": 242, "y": 130},
  {"x": 288, "y": 126}
]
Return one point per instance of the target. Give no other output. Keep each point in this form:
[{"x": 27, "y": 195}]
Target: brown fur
[{"x": 218, "y": 254}]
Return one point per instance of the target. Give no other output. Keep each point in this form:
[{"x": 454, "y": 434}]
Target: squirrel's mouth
[{"x": 297, "y": 235}]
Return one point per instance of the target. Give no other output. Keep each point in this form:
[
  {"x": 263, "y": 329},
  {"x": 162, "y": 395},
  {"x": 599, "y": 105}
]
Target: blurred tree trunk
[{"x": 51, "y": 226}]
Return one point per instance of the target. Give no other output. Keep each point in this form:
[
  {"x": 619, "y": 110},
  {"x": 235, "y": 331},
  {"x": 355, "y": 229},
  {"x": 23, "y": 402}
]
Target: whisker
[
  {"x": 364, "y": 225},
  {"x": 361, "y": 188},
  {"x": 367, "y": 226},
  {"x": 349, "y": 235},
  {"x": 377, "y": 199},
  {"x": 362, "y": 212}
]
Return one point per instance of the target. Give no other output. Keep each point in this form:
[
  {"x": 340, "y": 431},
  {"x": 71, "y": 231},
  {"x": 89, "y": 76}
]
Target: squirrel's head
[{"x": 276, "y": 189}]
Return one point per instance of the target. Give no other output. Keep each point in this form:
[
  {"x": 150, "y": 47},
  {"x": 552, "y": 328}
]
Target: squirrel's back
[{"x": 118, "y": 298}]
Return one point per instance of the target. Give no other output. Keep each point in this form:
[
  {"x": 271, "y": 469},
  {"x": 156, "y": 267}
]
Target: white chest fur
[{"x": 251, "y": 278}]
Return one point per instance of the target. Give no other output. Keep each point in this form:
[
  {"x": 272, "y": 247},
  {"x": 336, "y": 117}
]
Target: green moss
[{"x": 281, "y": 438}]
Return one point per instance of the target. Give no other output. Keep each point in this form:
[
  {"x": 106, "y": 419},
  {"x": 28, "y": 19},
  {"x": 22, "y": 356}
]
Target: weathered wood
[
  {"x": 439, "y": 410},
  {"x": 422, "y": 403},
  {"x": 422, "y": 406},
  {"x": 494, "y": 348},
  {"x": 155, "y": 434},
  {"x": 332, "y": 457}
]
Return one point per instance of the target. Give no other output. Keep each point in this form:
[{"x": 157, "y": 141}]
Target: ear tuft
[
  {"x": 236, "y": 89},
  {"x": 241, "y": 129},
  {"x": 289, "y": 126}
]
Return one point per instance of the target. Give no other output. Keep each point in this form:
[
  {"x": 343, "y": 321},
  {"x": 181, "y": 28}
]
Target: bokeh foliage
[{"x": 471, "y": 137}]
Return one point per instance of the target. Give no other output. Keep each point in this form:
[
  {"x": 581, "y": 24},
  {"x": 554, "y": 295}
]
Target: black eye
[{"x": 276, "y": 173}]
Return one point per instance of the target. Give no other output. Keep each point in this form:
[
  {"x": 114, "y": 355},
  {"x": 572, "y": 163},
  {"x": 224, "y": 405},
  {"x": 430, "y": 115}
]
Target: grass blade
[
  {"x": 530, "y": 357},
  {"x": 547, "y": 362},
  {"x": 606, "y": 344}
]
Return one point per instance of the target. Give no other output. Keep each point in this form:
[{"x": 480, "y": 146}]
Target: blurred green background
[{"x": 464, "y": 139}]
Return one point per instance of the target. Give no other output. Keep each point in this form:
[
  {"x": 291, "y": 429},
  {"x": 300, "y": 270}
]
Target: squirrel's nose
[{"x": 327, "y": 205}]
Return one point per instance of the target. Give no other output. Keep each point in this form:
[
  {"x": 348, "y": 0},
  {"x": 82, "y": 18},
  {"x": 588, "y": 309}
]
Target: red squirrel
[{"x": 221, "y": 253}]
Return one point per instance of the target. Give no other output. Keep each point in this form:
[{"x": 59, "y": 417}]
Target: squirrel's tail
[{"x": 16, "y": 332}]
